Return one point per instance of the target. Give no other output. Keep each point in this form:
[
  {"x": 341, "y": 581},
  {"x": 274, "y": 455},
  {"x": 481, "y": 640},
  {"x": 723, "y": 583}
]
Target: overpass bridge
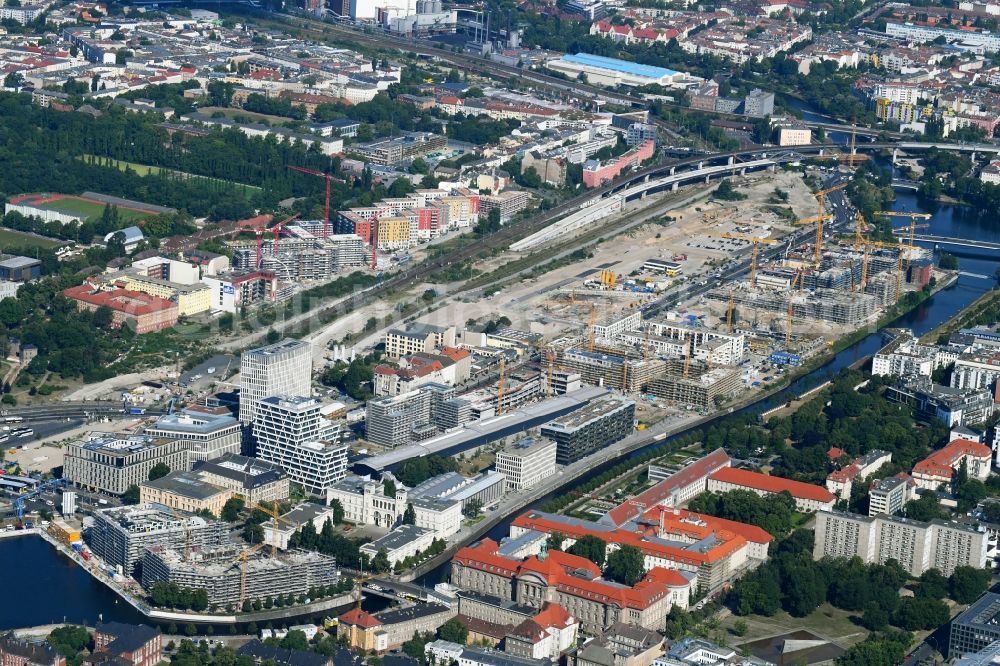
[{"x": 957, "y": 242}]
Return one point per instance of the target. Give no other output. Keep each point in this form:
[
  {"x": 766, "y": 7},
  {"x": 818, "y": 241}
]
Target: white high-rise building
[
  {"x": 284, "y": 368},
  {"x": 292, "y": 432}
]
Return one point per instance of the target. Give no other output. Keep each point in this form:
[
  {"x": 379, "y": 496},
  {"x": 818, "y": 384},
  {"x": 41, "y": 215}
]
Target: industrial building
[
  {"x": 284, "y": 368},
  {"x": 613, "y": 72},
  {"x": 121, "y": 535},
  {"x": 599, "y": 424},
  {"x": 210, "y": 435},
  {"x": 917, "y": 546},
  {"x": 217, "y": 570},
  {"x": 105, "y": 462},
  {"x": 294, "y": 433},
  {"x": 694, "y": 383}
]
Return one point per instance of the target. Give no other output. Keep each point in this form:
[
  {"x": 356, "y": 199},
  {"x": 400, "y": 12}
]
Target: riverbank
[{"x": 961, "y": 319}]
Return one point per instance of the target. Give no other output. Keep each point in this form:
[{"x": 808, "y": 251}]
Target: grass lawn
[
  {"x": 828, "y": 622},
  {"x": 193, "y": 331},
  {"x": 11, "y": 238},
  {"x": 146, "y": 170},
  {"x": 253, "y": 115}
]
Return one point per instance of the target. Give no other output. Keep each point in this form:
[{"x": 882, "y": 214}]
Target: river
[{"x": 43, "y": 586}]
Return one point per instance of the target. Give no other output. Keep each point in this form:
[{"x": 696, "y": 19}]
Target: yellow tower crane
[
  {"x": 503, "y": 369},
  {"x": 818, "y": 220},
  {"x": 899, "y": 247},
  {"x": 729, "y": 311},
  {"x": 911, "y": 228},
  {"x": 821, "y": 195},
  {"x": 243, "y": 558},
  {"x": 860, "y": 228},
  {"x": 687, "y": 358},
  {"x": 756, "y": 240},
  {"x": 592, "y": 327}
]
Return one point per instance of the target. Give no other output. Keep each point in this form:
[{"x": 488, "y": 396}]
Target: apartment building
[
  {"x": 105, "y": 462},
  {"x": 121, "y": 535},
  {"x": 418, "y": 338},
  {"x": 293, "y": 433},
  {"x": 527, "y": 462},
  {"x": 284, "y": 368},
  {"x": 976, "y": 370},
  {"x": 807, "y": 496},
  {"x": 917, "y": 546},
  {"x": 600, "y": 423},
  {"x": 678, "y": 338},
  {"x": 210, "y": 435},
  {"x": 904, "y": 355},
  {"x": 841, "y": 481},
  {"x": 398, "y": 420}
]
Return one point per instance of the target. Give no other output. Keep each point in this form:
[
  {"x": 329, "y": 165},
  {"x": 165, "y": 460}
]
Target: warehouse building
[
  {"x": 599, "y": 424},
  {"x": 218, "y": 571},
  {"x": 107, "y": 463},
  {"x": 121, "y": 535}
]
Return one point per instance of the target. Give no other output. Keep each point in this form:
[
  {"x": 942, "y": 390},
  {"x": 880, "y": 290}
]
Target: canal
[{"x": 42, "y": 586}]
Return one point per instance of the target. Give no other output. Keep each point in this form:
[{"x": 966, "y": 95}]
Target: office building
[
  {"x": 976, "y": 628},
  {"x": 251, "y": 479},
  {"x": 366, "y": 502},
  {"x": 284, "y": 368},
  {"x": 591, "y": 428},
  {"x": 121, "y": 535},
  {"x": 394, "y": 150},
  {"x": 941, "y": 466},
  {"x": 418, "y": 338},
  {"x": 527, "y": 462},
  {"x": 808, "y": 497},
  {"x": 573, "y": 582},
  {"x": 889, "y": 496},
  {"x": 291, "y": 522},
  {"x": 916, "y": 545},
  {"x": 136, "y": 644},
  {"x": 107, "y": 463},
  {"x": 210, "y": 435},
  {"x": 758, "y": 103},
  {"x": 293, "y": 433},
  {"x": 185, "y": 491}
]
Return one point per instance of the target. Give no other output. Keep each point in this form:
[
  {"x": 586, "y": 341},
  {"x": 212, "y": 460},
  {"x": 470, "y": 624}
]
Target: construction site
[{"x": 231, "y": 575}]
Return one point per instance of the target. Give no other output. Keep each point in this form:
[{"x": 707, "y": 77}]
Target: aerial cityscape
[{"x": 541, "y": 333}]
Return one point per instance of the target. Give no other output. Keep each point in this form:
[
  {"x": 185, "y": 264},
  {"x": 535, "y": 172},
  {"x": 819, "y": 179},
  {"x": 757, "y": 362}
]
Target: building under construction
[
  {"x": 301, "y": 258},
  {"x": 829, "y": 305},
  {"x": 219, "y": 571},
  {"x": 700, "y": 387},
  {"x": 611, "y": 370},
  {"x": 120, "y": 535}
]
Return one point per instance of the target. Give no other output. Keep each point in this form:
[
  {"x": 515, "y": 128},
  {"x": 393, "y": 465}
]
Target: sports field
[
  {"x": 12, "y": 238},
  {"x": 92, "y": 209},
  {"x": 146, "y": 170}
]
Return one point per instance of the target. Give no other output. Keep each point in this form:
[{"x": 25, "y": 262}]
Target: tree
[
  {"x": 295, "y": 640},
  {"x": 740, "y": 627},
  {"x": 390, "y": 487},
  {"x": 966, "y": 584},
  {"x": 473, "y": 508},
  {"x": 231, "y": 509},
  {"x": 13, "y": 80},
  {"x": 626, "y": 565},
  {"x": 410, "y": 515},
  {"x": 948, "y": 262},
  {"x": 453, "y": 630},
  {"x": 380, "y": 563},
  {"x": 932, "y": 584},
  {"x": 925, "y": 508},
  {"x": 70, "y": 640},
  {"x": 131, "y": 495},
  {"x": 915, "y": 613},
  {"x": 158, "y": 471},
  {"x": 590, "y": 547}
]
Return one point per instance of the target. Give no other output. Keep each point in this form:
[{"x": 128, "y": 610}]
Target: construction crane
[
  {"x": 243, "y": 558},
  {"x": 274, "y": 514},
  {"x": 503, "y": 368},
  {"x": 821, "y": 195},
  {"x": 279, "y": 227},
  {"x": 818, "y": 220},
  {"x": 687, "y": 358},
  {"x": 550, "y": 356},
  {"x": 860, "y": 227},
  {"x": 187, "y": 532},
  {"x": 756, "y": 240},
  {"x": 729, "y": 310},
  {"x": 326, "y": 207},
  {"x": 911, "y": 229},
  {"x": 788, "y": 323},
  {"x": 899, "y": 247},
  {"x": 592, "y": 327}
]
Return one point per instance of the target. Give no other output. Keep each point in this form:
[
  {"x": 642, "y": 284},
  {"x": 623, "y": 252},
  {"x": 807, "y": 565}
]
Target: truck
[{"x": 136, "y": 411}]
